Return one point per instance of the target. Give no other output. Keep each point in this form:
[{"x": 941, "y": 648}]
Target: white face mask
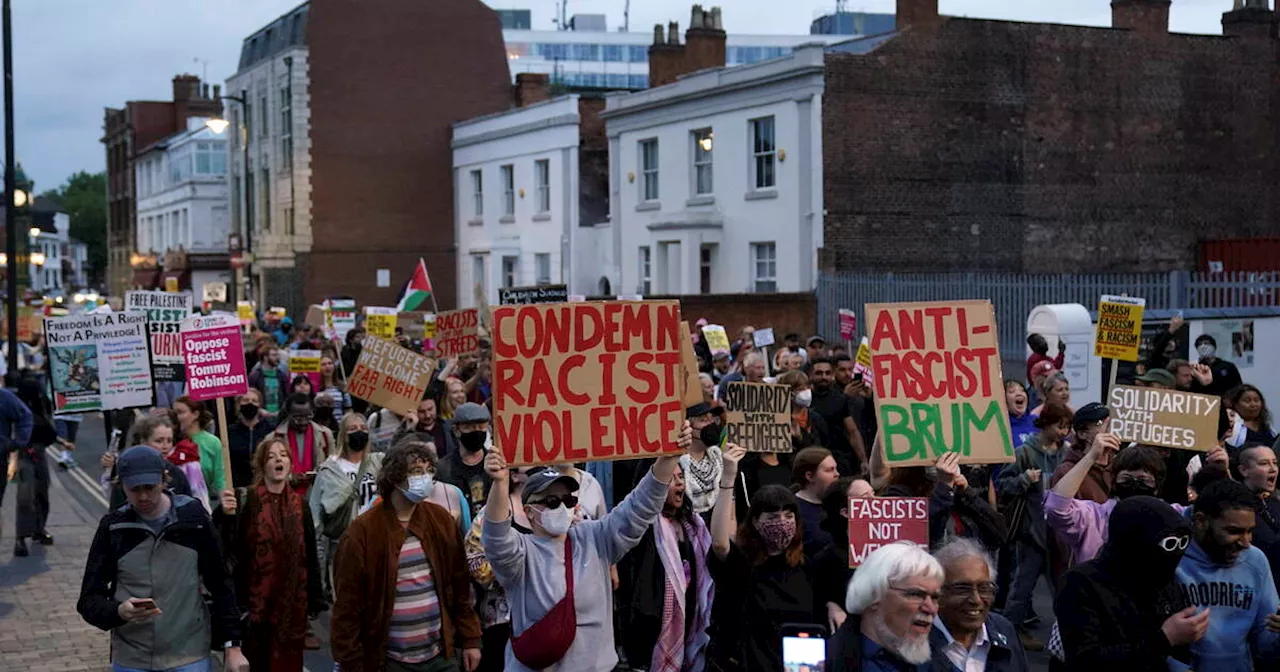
[
  {"x": 418, "y": 488},
  {"x": 1206, "y": 350},
  {"x": 556, "y": 521},
  {"x": 803, "y": 399}
]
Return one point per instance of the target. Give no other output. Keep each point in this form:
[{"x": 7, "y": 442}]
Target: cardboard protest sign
[
  {"x": 523, "y": 296},
  {"x": 689, "y": 362},
  {"x": 938, "y": 382},
  {"x": 316, "y": 317},
  {"x": 1166, "y": 418},
  {"x": 1119, "y": 327},
  {"x": 214, "y": 356},
  {"x": 99, "y": 361},
  {"x": 417, "y": 324},
  {"x": 390, "y": 376},
  {"x": 214, "y": 292},
  {"x": 380, "y": 322},
  {"x": 340, "y": 316},
  {"x": 763, "y": 338},
  {"x": 575, "y": 382},
  {"x": 458, "y": 332},
  {"x": 879, "y": 521},
  {"x": 717, "y": 338},
  {"x": 758, "y": 416},
  {"x": 848, "y": 324},
  {"x": 862, "y": 363},
  {"x": 165, "y": 313}
]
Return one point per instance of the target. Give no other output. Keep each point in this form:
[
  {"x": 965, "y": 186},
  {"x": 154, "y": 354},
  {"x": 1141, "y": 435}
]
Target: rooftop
[{"x": 287, "y": 32}]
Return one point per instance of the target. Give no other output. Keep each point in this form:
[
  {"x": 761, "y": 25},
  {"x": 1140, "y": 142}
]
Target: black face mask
[
  {"x": 1129, "y": 489},
  {"x": 473, "y": 441},
  {"x": 357, "y": 440},
  {"x": 710, "y": 435},
  {"x": 248, "y": 411}
]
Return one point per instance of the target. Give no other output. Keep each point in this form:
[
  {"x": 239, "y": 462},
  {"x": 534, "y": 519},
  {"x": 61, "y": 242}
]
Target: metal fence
[{"x": 1015, "y": 295}]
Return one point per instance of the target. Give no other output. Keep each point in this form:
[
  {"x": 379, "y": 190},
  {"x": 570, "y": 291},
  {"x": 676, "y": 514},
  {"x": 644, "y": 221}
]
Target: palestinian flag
[{"x": 417, "y": 291}]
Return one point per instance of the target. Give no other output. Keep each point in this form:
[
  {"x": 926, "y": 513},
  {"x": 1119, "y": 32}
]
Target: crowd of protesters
[{"x": 431, "y": 554}]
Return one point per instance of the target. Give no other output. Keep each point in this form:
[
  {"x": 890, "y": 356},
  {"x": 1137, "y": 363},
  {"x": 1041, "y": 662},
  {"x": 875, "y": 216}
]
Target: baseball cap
[
  {"x": 1042, "y": 368},
  {"x": 816, "y": 339},
  {"x": 140, "y": 465},
  {"x": 539, "y": 481},
  {"x": 1160, "y": 377},
  {"x": 720, "y": 355},
  {"x": 703, "y": 408},
  {"x": 1090, "y": 413},
  {"x": 470, "y": 412}
]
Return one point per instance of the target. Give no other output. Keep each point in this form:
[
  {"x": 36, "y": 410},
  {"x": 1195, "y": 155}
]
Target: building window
[
  {"x": 264, "y": 115},
  {"x": 180, "y": 165},
  {"x": 702, "y": 147},
  {"x": 477, "y": 193},
  {"x": 542, "y": 265},
  {"x": 266, "y": 200},
  {"x": 510, "y": 271},
  {"x": 638, "y": 54},
  {"x": 211, "y": 158},
  {"x": 649, "y": 169},
  {"x": 646, "y": 270},
  {"x": 509, "y": 190},
  {"x": 763, "y": 153},
  {"x": 286, "y": 125},
  {"x": 613, "y": 53},
  {"x": 477, "y": 274},
  {"x": 288, "y": 221},
  {"x": 764, "y": 272},
  {"x": 542, "y": 180},
  {"x": 705, "y": 258}
]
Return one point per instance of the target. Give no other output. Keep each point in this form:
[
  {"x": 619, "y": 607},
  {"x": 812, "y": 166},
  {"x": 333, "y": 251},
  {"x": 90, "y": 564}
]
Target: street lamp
[{"x": 219, "y": 125}]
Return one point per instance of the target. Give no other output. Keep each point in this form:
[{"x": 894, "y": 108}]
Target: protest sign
[
  {"x": 862, "y": 363},
  {"x": 380, "y": 322},
  {"x": 316, "y": 317},
  {"x": 99, "y": 361},
  {"x": 689, "y": 361},
  {"x": 848, "y": 324},
  {"x": 457, "y": 332},
  {"x": 244, "y": 310},
  {"x": 1168, "y": 418},
  {"x": 165, "y": 313},
  {"x": 214, "y": 292},
  {"x": 340, "y": 315},
  {"x": 417, "y": 324},
  {"x": 214, "y": 356},
  {"x": 278, "y": 312},
  {"x": 305, "y": 363},
  {"x": 523, "y": 296},
  {"x": 758, "y": 416},
  {"x": 763, "y": 338},
  {"x": 170, "y": 284},
  {"x": 717, "y": 338},
  {"x": 938, "y": 382},
  {"x": 1119, "y": 328},
  {"x": 390, "y": 376},
  {"x": 880, "y": 521},
  {"x": 575, "y": 382}
]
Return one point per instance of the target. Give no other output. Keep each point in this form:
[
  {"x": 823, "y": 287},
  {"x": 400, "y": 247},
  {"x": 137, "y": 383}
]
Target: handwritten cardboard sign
[
  {"x": 417, "y": 324},
  {"x": 165, "y": 313},
  {"x": 316, "y": 316},
  {"x": 758, "y": 416},
  {"x": 214, "y": 356},
  {"x": 717, "y": 338},
  {"x": 390, "y": 376},
  {"x": 523, "y": 296},
  {"x": 848, "y": 324},
  {"x": 458, "y": 332},
  {"x": 1166, "y": 418},
  {"x": 938, "y": 382},
  {"x": 1119, "y": 330},
  {"x": 99, "y": 361},
  {"x": 879, "y": 521},
  {"x": 575, "y": 382},
  {"x": 380, "y": 322}
]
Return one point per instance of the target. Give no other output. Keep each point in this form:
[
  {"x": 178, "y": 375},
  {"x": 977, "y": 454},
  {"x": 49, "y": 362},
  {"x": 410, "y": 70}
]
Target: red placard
[{"x": 880, "y": 521}]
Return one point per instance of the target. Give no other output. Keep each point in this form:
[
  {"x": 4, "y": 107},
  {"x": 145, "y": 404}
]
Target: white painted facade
[
  {"x": 519, "y": 232},
  {"x": 672, "y": 234},
  {"x": 50, "y": 249}
]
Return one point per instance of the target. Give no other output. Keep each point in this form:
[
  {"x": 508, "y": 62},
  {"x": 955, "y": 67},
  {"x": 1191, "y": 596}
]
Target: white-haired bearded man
[{"x": 892, "y": 602}]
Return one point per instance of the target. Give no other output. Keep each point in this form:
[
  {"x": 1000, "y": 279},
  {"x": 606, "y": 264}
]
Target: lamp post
[
  {"x": 219, "y": 125},
  {"x": 10, "y": 233}
]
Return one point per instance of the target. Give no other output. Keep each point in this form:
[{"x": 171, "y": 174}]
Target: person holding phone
[{"x": 143, "y": 577}]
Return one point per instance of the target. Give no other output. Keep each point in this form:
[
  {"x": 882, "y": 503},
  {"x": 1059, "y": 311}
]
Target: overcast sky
[{"x": 72, "y": 58}]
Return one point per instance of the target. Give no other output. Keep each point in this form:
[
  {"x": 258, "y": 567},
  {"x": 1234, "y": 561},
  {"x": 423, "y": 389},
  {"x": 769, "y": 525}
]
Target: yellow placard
[
  {"x": 1119, "y": 327},
  {"x": 380, "y": 322},
  {"x": 717, "y": 338},
  {"x": 170, "y": 284},
  {"x": 304, "y": 361},
  {"x": 244, "y": 309}
]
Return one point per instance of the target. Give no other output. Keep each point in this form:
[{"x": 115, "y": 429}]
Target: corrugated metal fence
[{"x": 1014, "y": 295}]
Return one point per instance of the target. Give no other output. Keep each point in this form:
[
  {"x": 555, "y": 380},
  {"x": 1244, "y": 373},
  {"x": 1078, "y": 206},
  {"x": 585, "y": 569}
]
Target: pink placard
[
  {"x": 848, "y": 324},
  {"x": 213, "y": 352},
  {"x": 880, "y": 521}
]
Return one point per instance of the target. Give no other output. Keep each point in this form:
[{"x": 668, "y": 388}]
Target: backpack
[{"x": 334, "y": 524}]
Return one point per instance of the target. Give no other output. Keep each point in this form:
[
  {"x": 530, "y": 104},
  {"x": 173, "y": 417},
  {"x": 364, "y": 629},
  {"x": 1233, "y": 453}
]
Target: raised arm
[
  {"x": 1071, "y": 481},
  {"x": 723, "y": 521},
  {"x": 502, "y": 544},
  {"x": 621, "y": 529}
]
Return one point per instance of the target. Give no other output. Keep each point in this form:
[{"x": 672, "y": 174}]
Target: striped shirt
[{"x": 415, "y": 635}]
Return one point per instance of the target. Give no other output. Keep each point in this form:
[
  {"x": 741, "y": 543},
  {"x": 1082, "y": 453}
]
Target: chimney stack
[
  {"x": 1149, "y": 18},
  {"x": 673, "y": 33},
  {"x": 217, "y": 92},
  {"x": 704, "y": 41},
  {"x": 1250, "y": 19},
  {"x": 921, "y": 14},
  {"x": 186, "y": 88},
  {"x": 532, "y": 87}
]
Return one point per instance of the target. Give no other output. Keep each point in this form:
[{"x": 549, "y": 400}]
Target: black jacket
[
  {"x": 242, "y": 441},
  {"x": 844, "y": 650},
  {"x": 1005, "y": 655},
  {"x": 178, "y": 485}
]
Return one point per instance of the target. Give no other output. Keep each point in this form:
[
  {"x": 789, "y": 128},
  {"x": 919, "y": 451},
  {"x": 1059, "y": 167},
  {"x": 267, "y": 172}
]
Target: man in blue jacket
[
  {"x": 15, "y": 427},
  {"x": 1223, "y": 572}
]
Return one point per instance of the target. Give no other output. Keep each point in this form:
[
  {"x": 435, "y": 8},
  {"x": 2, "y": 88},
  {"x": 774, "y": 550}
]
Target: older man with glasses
[
  {"x": 966, "y": 635},
  {"x": 892, "y": 602}
]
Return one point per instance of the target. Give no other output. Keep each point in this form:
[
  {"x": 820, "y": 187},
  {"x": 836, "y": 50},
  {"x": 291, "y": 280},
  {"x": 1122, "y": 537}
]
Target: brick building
[
  {"x": 127, "y": 130},
  {"x": 976, "y": 145},
  {"x": 388, "y": 79}
]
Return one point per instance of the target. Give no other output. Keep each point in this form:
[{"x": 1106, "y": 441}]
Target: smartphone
[
  {"x": 145, "y": 603},
  {"x": 857, "y": 377},
  {"x": 804, "y": 648}
]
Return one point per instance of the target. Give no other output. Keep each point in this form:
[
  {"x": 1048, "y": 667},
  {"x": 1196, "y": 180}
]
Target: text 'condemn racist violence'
[{"x": 587, "y": 381}]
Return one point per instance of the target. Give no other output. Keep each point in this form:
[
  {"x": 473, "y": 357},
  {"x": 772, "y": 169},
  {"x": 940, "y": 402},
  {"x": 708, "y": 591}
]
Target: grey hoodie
[{"x": 333, "y": 487}]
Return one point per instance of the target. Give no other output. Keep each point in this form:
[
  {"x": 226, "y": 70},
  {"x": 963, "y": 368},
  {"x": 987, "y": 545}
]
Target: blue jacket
[
  {"x": 1023, "y": 428},
  {"x": 1005, "y": 655},
  {"x": 15, "y": 422},
  {"x": 1239, "y": 597}
]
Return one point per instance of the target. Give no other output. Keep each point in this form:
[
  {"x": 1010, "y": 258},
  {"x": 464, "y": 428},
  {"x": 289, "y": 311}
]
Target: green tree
[{"x": 84, "y": 197}]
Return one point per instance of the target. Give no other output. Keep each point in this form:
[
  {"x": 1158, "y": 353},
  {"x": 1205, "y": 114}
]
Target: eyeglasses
[
  {"x": 1175, "y": 543},
  {"x": 917, "y": 596},
  {"x": 1148, "y": 481},
  {"x": 986, "y": 590},
  {"x": 554, "y": 501}
]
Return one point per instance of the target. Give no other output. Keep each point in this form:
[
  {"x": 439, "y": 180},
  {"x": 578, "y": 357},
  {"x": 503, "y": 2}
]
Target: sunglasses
[
  {"x": 1172, "y": 543},
  {"x": 554, "y": 501}
]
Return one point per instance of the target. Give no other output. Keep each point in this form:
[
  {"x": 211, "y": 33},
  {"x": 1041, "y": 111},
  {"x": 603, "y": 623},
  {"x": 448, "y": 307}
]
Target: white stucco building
[
  {"x": 521, "y": 207},
  {"x": 181, "y": 186},
  {"x": 58, "y": 262},
  {"x": 716, "y": 180}
]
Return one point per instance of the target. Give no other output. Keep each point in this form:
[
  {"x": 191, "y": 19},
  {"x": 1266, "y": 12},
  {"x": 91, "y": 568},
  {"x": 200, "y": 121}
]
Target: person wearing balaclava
[
  {"x": 1226, "y": 376},
  {"x": 465, "y": 466},
  {"x": 1124, "y": 610}
]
